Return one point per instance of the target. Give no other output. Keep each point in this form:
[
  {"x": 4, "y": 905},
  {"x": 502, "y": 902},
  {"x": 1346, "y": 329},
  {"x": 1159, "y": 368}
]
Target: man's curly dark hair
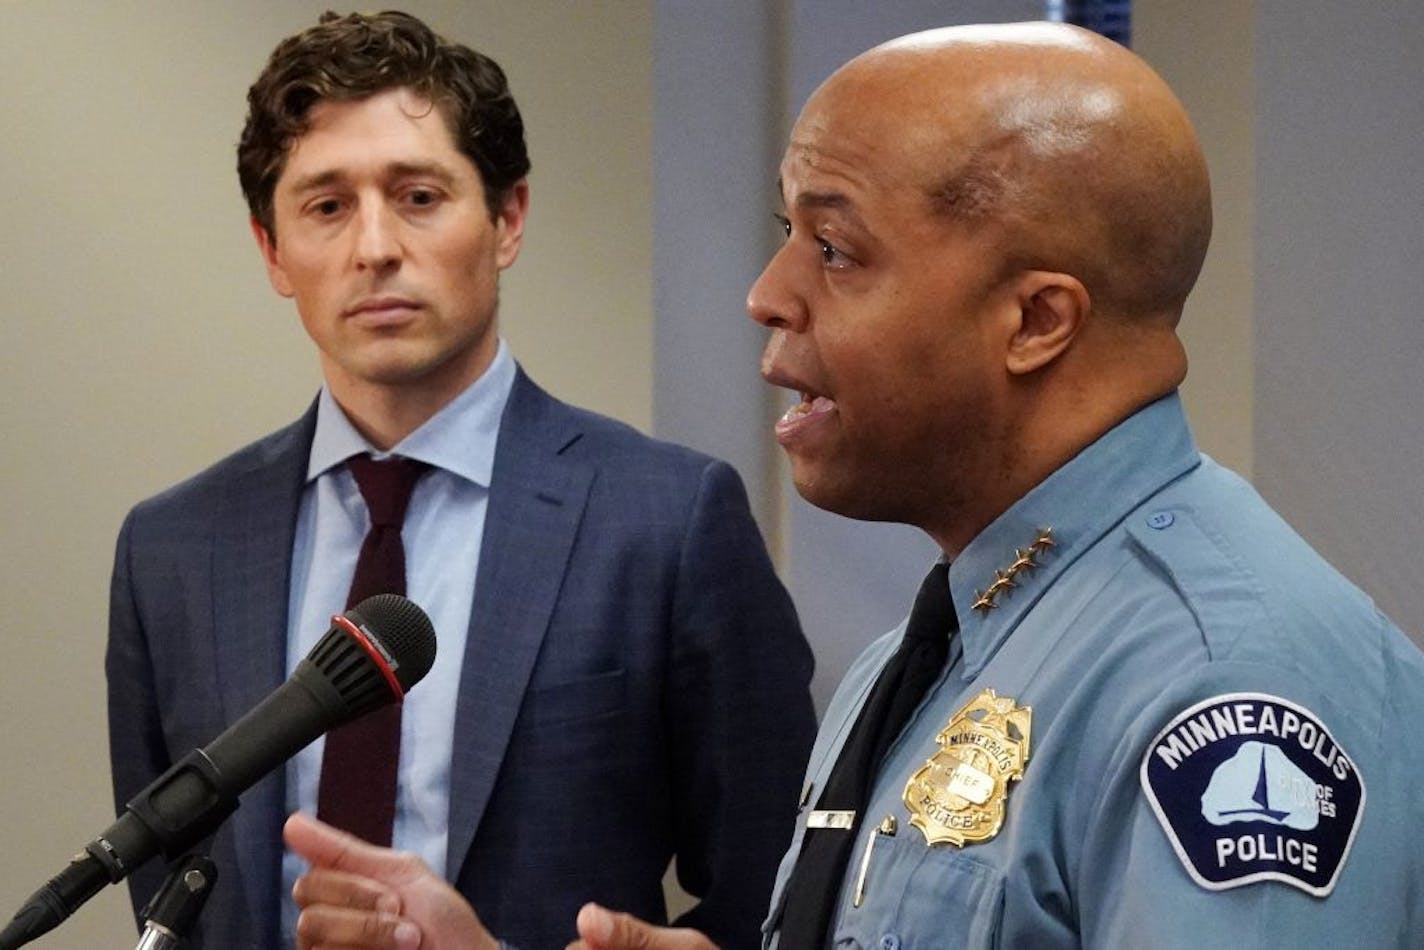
[{"x": 359, "y": 55}]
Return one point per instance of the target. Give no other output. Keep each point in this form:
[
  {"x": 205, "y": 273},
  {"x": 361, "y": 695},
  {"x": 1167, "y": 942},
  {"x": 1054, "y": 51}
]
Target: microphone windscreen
[
  {"x": 404, "y": 630},
  {"x": 383, "y": 638}
]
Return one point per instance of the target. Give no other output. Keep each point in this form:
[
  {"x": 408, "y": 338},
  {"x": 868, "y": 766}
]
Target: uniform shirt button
[
  {"x": 890, "y": 942},
  {"x": 1160, "y": 519}
]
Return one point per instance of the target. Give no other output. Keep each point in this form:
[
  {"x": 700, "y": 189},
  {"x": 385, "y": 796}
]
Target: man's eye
[
  {"x": 832, "y": 256},
  {"x": 328, "y": 207},
  {"x": 784, "y": 223},
  {"x": 422, "y": 197}
]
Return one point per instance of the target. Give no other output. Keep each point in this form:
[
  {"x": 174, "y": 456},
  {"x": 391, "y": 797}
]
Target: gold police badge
[{"x": 958, "y": 795}]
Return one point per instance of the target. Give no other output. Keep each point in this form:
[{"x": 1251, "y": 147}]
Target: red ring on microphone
[{"x": 359, "y": 635}]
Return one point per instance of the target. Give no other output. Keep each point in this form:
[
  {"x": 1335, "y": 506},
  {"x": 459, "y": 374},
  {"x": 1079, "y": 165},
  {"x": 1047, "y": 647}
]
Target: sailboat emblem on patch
[{"x": 1251, "y": 787}]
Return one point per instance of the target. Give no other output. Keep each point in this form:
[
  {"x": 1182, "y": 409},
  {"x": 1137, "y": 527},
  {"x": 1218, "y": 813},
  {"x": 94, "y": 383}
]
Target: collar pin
[{"x": 1004, "y": 580}]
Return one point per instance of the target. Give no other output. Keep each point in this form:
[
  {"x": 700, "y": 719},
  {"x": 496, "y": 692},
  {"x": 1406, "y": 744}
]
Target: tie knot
[
  {"x": 933, "y": 618},
  {"x": 386, "y": 485}
]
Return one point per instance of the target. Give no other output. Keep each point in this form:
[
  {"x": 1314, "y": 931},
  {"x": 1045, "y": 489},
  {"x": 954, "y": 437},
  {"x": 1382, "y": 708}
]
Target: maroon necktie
[{"x": 358, "y": 769}]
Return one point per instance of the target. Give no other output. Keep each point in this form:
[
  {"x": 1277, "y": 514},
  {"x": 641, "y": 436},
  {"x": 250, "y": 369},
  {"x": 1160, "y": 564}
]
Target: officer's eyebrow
[{"x": 825, "y": 200}]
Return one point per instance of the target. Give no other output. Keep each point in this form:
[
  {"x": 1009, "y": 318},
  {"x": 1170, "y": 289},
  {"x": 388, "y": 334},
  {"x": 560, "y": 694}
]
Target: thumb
[
  {"x": 602, "y": 929},
  {"x": 595, "y": 926},
  {"x": 327, "y": 847}
]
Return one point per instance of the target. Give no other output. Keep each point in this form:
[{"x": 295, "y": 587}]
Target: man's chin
[
  {"x": 412, "y": 363},
  {"x": 824, "y": 489},
  {"x": 395, "y": 365},
  {"x": 863, "y": 497}
]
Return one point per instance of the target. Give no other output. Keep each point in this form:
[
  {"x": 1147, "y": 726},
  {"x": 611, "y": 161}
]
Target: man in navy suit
[{"x": 620, "y": 680}]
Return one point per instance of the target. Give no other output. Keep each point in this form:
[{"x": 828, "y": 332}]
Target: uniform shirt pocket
[{"x": 917, "y": 896}]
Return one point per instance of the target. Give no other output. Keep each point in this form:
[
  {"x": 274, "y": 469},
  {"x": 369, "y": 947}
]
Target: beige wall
[
  {"x": 1204, "y": 50},
  {"x": 142, "y": 341}
]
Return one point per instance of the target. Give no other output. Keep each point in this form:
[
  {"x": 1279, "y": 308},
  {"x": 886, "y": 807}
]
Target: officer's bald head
[{"x": 1063, "y": 147}]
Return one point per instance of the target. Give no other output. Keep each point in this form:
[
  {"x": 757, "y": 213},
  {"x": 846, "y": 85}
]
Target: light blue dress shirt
[
  {"x": 442, "y": 532},
  {"x": 1171, "y": 589}
]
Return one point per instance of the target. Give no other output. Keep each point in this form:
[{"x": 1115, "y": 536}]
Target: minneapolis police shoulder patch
[{"x": 1251, "y": 787}]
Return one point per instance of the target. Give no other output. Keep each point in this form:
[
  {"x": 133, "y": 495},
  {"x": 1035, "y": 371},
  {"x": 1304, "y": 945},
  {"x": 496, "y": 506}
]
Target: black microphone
[{"x": 370, "y": 656}]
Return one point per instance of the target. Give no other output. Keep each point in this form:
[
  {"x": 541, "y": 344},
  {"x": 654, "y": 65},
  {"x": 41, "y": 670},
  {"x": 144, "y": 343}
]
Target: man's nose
[
  {"x": 772, "y": 301},
  {"x": 377, "y": 237}
]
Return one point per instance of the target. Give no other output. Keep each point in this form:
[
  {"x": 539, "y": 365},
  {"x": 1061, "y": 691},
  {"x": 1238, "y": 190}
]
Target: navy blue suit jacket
[{"x": 635, "y": 683}]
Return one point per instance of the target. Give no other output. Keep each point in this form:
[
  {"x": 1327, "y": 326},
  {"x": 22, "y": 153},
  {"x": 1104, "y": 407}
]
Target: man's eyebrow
[
  {"x": 395, "y": 170},
  {"x": 316, "y": 180},
  {"x": 830, "y": 201},
  {"x": 420, "y": 170}
]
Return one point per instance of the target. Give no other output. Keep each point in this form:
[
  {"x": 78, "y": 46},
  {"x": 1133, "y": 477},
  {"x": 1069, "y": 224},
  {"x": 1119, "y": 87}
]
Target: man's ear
[
  {"x": 267, "y": 244},
  {"x": 1052, "y": 309},
  {"x": 509, "y": 223}
]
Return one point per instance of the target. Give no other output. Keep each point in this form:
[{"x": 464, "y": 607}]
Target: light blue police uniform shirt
[
  {"x": 1160, "y": 805},
  {"x": 443, "y": 528}
]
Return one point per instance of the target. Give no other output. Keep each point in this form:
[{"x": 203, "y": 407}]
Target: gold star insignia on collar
[
  {"x": 1023, "y": 561},
  {"x": 1004, "y": 580}
]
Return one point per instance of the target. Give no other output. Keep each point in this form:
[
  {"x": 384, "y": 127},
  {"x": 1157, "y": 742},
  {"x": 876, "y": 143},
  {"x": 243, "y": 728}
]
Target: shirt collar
[
  {"x": 1080, "y": 502},
  {"x": 460, "y": 438}
]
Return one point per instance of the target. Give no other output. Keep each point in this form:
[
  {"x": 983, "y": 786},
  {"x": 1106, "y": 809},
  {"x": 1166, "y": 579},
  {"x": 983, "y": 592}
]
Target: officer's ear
[{"x": 1051, "y": 310}]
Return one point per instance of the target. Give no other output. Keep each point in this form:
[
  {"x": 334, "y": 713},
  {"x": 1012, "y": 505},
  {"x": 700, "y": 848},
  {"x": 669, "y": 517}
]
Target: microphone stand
[{"x": 173, "y": 911}]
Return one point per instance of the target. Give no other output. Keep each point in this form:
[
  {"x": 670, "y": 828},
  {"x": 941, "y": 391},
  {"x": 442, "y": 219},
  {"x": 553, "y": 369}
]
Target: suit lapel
[
  {"x": 251, "y": 575},
  {"x": 537, "y": 500}
]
